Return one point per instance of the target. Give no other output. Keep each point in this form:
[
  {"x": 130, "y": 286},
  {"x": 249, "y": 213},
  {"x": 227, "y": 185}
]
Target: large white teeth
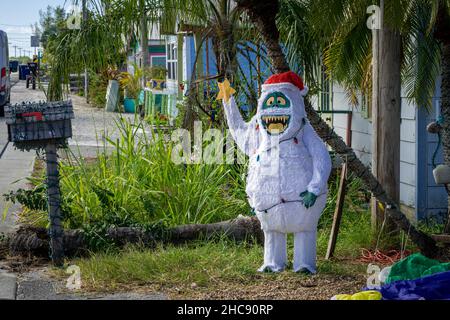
[{"x": 276, "y": 119}]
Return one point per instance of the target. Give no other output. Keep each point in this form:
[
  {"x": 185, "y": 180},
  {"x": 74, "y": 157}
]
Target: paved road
[{"x": 15, "y": 166}]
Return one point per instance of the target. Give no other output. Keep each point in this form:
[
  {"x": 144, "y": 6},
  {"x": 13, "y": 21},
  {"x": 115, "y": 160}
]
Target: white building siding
[{"x": 362, "y": 140}]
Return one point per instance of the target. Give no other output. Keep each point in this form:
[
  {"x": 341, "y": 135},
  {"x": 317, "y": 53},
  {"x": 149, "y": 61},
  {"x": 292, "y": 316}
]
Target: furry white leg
[
  {"x": 305, "y": 251},
  {"x": 275, "y": 252}
]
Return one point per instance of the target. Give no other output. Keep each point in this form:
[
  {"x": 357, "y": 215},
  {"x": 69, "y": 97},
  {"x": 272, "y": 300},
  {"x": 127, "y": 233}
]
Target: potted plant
[
  {"x": 131, "y": 84},
  {"x": 157, "y": 76}
]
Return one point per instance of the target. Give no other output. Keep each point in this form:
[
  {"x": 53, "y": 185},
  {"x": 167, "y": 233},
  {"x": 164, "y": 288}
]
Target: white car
[{"x": 5, "y": 83}]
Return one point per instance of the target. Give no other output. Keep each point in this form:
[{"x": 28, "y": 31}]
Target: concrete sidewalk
[
  {"x": 8, "y": 286},
  {"x": 15, "y": 167}
]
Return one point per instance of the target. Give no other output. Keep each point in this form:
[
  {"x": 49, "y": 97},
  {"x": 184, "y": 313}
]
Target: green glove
[{"x": 309, "y": 199}]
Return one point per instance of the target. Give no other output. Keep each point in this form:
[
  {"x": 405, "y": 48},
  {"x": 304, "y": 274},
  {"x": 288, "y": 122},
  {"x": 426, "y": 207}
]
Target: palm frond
[{"x": 422, "y": 54}]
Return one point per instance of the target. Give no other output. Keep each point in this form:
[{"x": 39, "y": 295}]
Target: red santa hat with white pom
[{"x": 287, "y": 78}]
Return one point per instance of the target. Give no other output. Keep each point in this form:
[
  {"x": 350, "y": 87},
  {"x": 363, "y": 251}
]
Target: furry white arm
[
  {"x": 320, "y": 158},
  {"x": 244, "y": 134}
]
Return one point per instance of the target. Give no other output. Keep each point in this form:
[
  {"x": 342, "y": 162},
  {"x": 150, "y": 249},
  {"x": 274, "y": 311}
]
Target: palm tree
[
  {"x": 222, "y": 22},
  {"x": 110, "y": 22},
  {"x": 349, "y": 54},
  {"x": 348, "y": 49},
  {"x": 423, "y": 26},
  {"x": 262, "y": 14},
  {"x": 99, "y": 44},
  {"x": 211, "y": 19}
]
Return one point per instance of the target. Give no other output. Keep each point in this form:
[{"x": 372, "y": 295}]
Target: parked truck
[{"x": 5, "y": 83}]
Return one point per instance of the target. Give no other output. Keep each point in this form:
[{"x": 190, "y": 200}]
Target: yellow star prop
[{"x": 226, "y": 91}]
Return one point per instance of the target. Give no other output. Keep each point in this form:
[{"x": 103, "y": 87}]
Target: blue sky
[{"x": 16, "y": 16}]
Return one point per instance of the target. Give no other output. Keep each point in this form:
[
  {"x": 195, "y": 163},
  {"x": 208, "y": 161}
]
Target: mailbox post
[{"x": 44, "y": 126}]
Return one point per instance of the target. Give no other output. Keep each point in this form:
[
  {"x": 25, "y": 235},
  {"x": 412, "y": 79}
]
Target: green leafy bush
[
  {"x": 138, "y": 184},
  {"x": 98, "y": 86}
]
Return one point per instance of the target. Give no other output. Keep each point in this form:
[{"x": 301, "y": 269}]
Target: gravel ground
[
  {"x": 318, "y": 287},
  {"x": 41, "y": 283}
]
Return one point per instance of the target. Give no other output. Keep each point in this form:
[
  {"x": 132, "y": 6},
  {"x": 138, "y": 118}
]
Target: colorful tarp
[
  {"x": 364, "y": 295},
  {"x": 434, "y": 287},
  {"x": 416, "y": 266}
]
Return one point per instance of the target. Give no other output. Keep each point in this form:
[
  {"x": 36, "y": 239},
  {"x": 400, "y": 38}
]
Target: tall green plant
[
  {"x": 131, "y": 82},
  {"x": 137, "y": 183}
]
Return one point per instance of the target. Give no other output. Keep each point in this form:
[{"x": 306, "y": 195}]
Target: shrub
[
  {"x": 139, "y": 184},
  {"x": 97, "y": 90}
]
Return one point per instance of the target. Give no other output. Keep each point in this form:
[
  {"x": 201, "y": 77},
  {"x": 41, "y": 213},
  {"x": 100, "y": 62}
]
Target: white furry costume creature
[{"x": 288, "y": 171}]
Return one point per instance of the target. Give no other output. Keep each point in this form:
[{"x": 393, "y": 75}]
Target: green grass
[
  {"x": 207, "y": 264},
  {"x": 355, "y": 233},
  {"x": 171, "y": 265}
]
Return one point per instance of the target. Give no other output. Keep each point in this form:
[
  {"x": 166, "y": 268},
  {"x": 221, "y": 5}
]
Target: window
[
  {"x": 172, "y": 61},
  {"x": 159, "y": 61}
]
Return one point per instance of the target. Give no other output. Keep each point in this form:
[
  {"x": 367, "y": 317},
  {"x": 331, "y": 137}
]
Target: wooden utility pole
[{"x": 386, "y": 114}]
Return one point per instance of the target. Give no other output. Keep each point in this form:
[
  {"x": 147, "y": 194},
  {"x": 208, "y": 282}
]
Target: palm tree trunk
[
  {"x": 263, "y": 14},
  {"x": 35, "y": 241},
  {"x": 227, "y": 52}
]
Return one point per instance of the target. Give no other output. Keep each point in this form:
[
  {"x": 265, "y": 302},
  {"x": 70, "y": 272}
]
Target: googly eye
[
  {"x": 270, "y": 101},
  {"x": 281, "y": 101}
]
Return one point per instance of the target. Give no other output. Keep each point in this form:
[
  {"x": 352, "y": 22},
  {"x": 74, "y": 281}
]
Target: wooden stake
[{"x": 337, "y": 213}]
